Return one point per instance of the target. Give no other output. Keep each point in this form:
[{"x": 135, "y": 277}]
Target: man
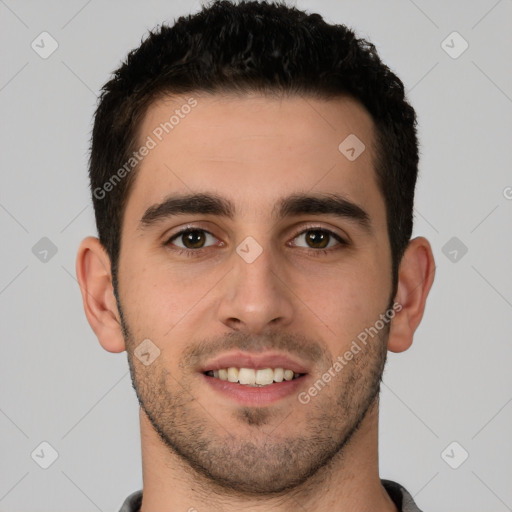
[{"x": 252, "y": 171}]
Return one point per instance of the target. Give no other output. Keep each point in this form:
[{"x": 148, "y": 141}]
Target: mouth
[{"x": 253, "y": 377}]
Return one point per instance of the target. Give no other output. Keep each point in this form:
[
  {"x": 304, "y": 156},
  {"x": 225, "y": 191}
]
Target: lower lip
[{"x": 254, "y": 395}]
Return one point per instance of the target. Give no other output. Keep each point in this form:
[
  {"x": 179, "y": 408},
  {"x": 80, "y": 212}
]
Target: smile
[{"x": 253, "y": 377}]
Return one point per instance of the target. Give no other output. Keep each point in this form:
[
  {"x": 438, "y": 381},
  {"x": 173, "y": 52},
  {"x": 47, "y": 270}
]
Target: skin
[{"x": 201, "y": 449}]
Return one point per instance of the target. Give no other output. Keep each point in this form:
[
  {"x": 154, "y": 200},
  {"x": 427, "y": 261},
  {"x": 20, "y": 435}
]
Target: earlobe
[
  {"x": 416, "y": 275},
  {"x": 94, "y": 276}
]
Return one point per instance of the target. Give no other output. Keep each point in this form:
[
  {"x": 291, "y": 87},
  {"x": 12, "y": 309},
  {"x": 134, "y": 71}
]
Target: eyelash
[{"x": 191, "y": 253}]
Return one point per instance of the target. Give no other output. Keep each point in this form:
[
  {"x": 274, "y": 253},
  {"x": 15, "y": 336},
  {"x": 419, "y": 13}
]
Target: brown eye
[
  {"x": 318, "y": 239},
  {"x": 192, "y": 239}
]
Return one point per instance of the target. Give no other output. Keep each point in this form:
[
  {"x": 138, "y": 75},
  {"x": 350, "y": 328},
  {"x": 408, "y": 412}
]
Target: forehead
[{"x": 254, "y": 149}]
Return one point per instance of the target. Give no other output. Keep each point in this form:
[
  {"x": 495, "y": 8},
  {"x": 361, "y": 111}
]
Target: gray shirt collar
[{"x": 402, "y": 499}]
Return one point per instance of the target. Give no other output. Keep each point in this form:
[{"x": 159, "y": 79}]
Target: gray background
[{"x": 58, "y": 385}]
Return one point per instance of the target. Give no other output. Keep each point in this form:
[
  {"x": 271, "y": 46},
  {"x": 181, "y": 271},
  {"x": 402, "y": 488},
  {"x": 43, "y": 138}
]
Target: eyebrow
[{"x": 293, "y": 205}]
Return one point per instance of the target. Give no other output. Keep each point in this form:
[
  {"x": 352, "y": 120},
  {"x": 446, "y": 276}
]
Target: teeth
[
  {"x": 288, "y": 375},
  {"x": 265, "y": 376},
  {"x": 247, "y": 376},
  {"x": 278, "y": 375},
  {"x": 252, "y": 377},
  {"x": 233, "y": 374}
]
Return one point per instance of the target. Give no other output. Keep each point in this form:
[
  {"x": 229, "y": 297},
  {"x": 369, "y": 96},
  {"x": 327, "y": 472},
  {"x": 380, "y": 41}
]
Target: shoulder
[
  {"x": 132, "y": 502},
  {"x": 400, "y": 496}
]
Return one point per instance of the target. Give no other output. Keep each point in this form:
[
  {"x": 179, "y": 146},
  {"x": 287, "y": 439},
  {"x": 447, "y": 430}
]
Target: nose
[{"x": 256, "y": 295}]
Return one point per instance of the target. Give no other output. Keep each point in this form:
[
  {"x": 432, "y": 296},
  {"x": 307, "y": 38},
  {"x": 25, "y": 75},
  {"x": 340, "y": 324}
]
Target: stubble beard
[{"x": 259, "y": 459}]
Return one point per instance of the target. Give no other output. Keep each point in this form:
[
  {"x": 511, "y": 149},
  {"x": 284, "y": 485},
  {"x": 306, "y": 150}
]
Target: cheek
[
  {"x": 157, "y": 296},
  {"x": 350, "y": 298}
]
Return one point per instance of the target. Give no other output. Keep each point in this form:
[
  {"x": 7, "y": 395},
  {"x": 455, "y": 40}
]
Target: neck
[{"x": 349, "y": 482}]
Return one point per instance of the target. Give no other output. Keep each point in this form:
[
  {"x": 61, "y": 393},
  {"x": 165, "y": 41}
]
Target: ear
[
  {"x": 415, "y": 278},
  {"x": 94, "y": 275}
]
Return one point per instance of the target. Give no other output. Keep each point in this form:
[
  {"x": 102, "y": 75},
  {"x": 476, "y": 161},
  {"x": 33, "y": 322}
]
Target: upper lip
[{"x": 257, "y": 361}]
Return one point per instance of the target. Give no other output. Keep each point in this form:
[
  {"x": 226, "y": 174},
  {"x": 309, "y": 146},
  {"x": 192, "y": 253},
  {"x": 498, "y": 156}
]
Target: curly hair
[{"x": 247, "y": 47}]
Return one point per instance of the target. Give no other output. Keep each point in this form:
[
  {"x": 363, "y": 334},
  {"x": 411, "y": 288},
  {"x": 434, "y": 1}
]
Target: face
[{"x": 281, "y": 260}]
